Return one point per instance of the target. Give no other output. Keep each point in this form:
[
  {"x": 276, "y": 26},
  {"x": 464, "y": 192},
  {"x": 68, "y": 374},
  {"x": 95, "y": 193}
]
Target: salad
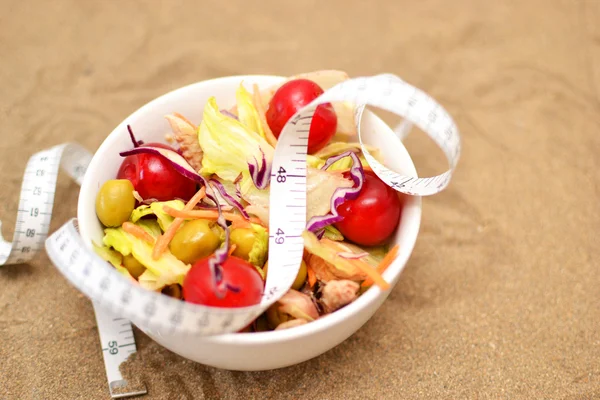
[{"x": 190, "y": 218}]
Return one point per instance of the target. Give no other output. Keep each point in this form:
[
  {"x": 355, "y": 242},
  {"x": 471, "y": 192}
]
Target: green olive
[
  {"x": 276, "y": 317},
  {"x": 195, "y": 240},
  {"x": 115, "y": 202},
  {"x": 300, "y": 278},
  {"x": 243, "y": 238},
  {"x": 173, "y": 290},
  {"x": 134, "y": 267}
]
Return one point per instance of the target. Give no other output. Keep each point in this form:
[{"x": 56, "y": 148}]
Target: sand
[{"x": 501, "y": 297}]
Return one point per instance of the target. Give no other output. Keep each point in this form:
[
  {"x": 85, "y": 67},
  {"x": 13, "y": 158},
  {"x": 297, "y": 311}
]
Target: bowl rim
[{"x": 323, "y": 323}]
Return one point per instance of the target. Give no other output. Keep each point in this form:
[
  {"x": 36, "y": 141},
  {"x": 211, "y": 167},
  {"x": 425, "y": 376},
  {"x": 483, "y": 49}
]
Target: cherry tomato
[
  {"x": 153, "y": 177},
  {"x": 198, "y": 286},
  {"x": 290, "y": 98},
  {"x": 372, "y": 217}
]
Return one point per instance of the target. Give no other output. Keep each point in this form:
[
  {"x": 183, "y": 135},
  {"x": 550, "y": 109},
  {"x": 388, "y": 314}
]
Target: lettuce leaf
[
  {"x": 342, "y": 164},
  {"x": 156, "y": 208},
  {"x": 149, "y": 281},
  {"x": 164, "y": 271},
  {"x": 320, "y": 186},
  {"x": 164, "y": 219},
  {"x": 115, "y": 238},
  {"x": 107, "y": 254},
  {"x": 333, "y": 233},
  {"x": 151, "y": 226},
  {"x": 314, "y": 161},
  {"x": 229, "y": 145},
  {"x": 113, "y": 257},
  {"x": 140, "y": 212},
  {"x": 335, "y": 148},
  {"x": 247, "y": 113}
]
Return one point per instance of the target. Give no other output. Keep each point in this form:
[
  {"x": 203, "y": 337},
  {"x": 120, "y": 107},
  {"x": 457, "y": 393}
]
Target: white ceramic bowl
[{"x": 249, "y": 351}]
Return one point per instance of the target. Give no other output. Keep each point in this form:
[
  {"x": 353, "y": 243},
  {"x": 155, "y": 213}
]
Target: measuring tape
[
  {"x": 33, "y": 222},
  {"x": 164, "y": 315},
  {"x": 37, "y": 199}
]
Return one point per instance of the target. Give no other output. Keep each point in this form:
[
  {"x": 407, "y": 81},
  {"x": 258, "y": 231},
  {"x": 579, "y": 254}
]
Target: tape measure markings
[
  {"x": 34, "y": 211},
  {"x": 117, "y": 347}
]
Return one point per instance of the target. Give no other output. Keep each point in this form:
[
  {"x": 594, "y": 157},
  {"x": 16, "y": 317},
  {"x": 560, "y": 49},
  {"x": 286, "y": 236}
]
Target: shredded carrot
[
  {"x": 138, "y": 232},
  {"x": 196, "y": 199},
  {"x": 263, "y": 119},
  {"x": 372, "y": 274},
  {"x": 312, "y": 277},
  {"x": 232, "y": 249},
  {"x": 388, "y": 259},
  {"x": 163, "y": 240},
  {"x": 384, "y": 264},
  {"x": 208, "y": 214},
  {"x": 244, "y": 224}
]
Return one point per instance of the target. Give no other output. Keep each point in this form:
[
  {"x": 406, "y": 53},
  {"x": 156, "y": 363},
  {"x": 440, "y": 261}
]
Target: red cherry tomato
[
  {"x": 372, "y": 217},
  {"x": 153, "y": 177},
  {"x": 198, "y": 286},
  {"x": 290, "y": 98}
]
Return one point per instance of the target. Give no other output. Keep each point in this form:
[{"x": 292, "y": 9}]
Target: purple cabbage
[
  {"x": 229, "y": 199},
  {"x": 238, "y": 191},
  {"x": 177, "y": 161},
  {"x": 352, "y": 256},
  {"x": 220, "y": 255},
  {"x": 260, "y": 172},
  {"x": 136, "y": 143},
  {"x": 229, "y": 114},
  {"x": 317, "y": 223}
]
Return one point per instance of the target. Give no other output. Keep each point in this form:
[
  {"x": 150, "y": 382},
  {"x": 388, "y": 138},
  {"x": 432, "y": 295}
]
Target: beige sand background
[{"x": 501, "y": 298}]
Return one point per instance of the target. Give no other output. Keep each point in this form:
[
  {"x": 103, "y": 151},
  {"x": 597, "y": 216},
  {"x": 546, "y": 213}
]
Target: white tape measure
[
  {"x": 31, "y": 230},
  {"x": 37, "y": 199},
  {"x": 118, "y": 344},
  {"x": 162, "y": 314}
]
